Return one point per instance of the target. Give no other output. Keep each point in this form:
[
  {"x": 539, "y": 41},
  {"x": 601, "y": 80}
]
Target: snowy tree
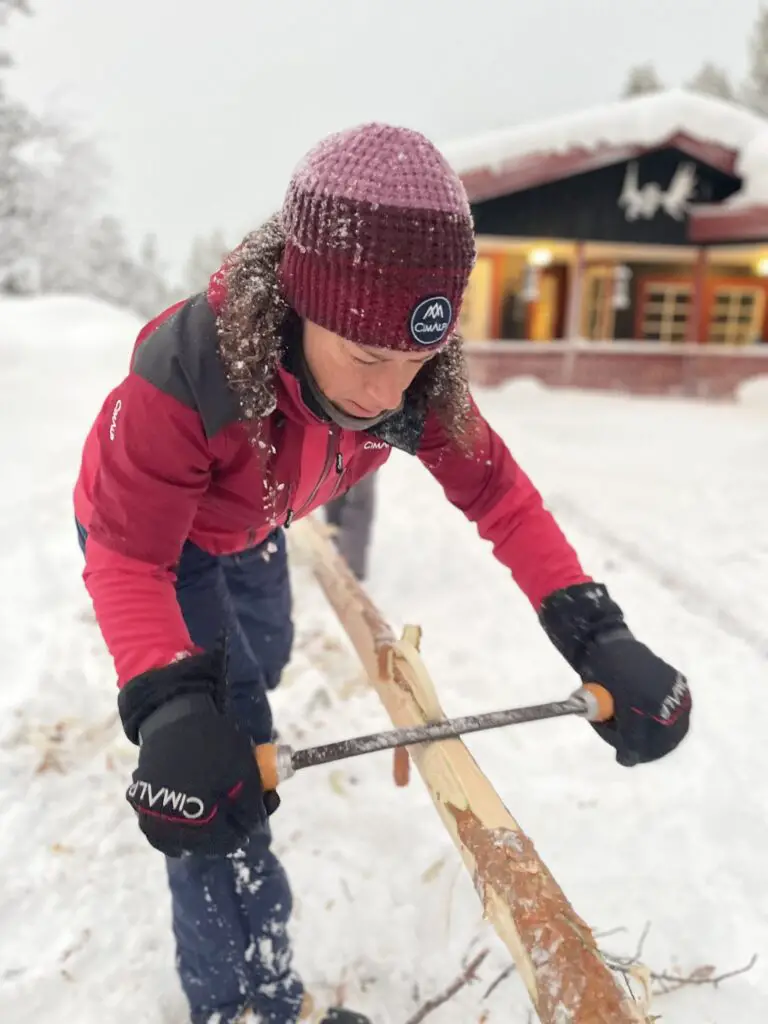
[
  {"x": 7, "y": 8},
  {"x": 712, "y": 80},
  {"x": 205, "y": 257},
  {"x": 69, "y": 179},
  {"x": 108, "y": 262},
  {"x": 17, "y": 129},
  {"x": 117, "y": 276},
  {"x": 75, "y": 249},
  {"x": 642, "y": 78},
  {"x": 755, "y": 89},
  {"x": 52, "y": 236},
  {"x": 150, "y": 290}
]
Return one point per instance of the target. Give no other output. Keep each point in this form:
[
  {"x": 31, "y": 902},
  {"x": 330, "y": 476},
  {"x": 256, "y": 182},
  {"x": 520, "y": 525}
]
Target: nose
[{"x": 385, "y": 387}]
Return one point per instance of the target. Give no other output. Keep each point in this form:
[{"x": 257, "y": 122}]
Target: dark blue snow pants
[{"x": 230, "y": 913}]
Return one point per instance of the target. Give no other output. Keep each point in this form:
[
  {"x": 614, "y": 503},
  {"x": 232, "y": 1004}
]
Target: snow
[
  {"x": 644, "y": 121},
  {"x": 66, "y": 324},
  {"x": 754, "y": 391},
  {"x": 664, "y": 499}
]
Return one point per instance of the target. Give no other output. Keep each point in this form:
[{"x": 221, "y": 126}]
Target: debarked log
[{"x": 553, "y": 948}]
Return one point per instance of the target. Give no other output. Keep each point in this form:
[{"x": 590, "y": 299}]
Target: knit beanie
[{"x": 379, "y": 239}]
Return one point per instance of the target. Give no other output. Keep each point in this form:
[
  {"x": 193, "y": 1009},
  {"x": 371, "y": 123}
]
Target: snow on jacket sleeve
[
  {"x": 493, "y": 492},
  {"x": 153, "y": 468}
]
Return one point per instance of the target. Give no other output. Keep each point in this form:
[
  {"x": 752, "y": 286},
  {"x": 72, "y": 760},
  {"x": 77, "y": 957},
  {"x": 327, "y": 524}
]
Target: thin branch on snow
[
  {"x": 467, "y": 976},
  {"x": 502, "y": 977},
  {"x": 640, "y": 943},
  {"x": 657, "y": 983},
  {"x": 630, "y": 967},
  {"x": 667, "y": 982},
  {"x": 702, "y": 976},
  {"x": 474, "y": 941}
]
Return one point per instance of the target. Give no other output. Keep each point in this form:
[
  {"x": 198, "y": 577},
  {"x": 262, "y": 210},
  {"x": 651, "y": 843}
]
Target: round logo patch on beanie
[{"x": 430, "y": 320}]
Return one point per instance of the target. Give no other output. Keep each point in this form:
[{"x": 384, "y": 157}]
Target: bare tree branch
[
  {"x": 468, "y": 975},
  {"x": 631, "y": 969},
  {"x": 502, "y": 977},
  {"x": 668, "y": 982}
]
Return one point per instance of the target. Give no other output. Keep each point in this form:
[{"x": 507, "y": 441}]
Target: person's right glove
[
  {"x": 652, "y": 702},
  {"x": 196, "y": 788}
]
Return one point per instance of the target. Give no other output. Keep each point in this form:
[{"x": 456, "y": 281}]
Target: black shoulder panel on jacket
[{"x": 180, "y": 357}]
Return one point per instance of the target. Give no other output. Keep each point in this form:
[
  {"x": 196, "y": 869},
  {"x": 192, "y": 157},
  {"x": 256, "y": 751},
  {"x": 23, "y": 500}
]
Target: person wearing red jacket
[{"x": 327, "y": 339}]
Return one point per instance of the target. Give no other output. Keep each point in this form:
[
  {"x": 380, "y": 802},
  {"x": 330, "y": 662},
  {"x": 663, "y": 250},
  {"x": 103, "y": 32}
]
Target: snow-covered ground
[{"x": 665, "y": 500}]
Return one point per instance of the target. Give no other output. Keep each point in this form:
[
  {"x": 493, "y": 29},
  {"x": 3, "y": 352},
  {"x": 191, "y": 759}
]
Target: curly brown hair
[{"x": 251, "y": 329}]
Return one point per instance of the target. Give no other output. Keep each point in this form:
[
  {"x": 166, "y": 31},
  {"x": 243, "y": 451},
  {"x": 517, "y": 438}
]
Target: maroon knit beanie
[{"x": 380, "y": 240}]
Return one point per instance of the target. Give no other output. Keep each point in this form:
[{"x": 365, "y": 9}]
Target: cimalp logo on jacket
[
  {"x": 430, "y": 320},
  {"x": 375, "y": 445},
  {"x": 113, "y": 424}
]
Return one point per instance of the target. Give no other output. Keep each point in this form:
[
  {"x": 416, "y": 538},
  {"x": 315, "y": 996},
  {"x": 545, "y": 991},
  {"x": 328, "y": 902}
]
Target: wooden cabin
[{"x": 624, "y": 246}]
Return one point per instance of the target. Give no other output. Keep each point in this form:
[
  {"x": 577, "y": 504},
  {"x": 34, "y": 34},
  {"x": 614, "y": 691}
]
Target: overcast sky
[{"x": 204, "y": 106}]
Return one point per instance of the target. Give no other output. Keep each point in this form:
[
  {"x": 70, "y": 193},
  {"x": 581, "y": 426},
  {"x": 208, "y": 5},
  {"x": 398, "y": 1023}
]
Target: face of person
[{"x": 361, "y": 380}]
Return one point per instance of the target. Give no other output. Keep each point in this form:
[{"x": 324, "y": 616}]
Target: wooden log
[{"x": 554, "y": 950}]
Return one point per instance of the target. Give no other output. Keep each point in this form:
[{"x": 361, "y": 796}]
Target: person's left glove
[
  {"x": 196, "y": 788},
  {"x": 652, "y": 702}
]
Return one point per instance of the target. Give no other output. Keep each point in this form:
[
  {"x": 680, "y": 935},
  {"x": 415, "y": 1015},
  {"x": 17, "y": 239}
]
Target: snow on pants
[{"x": 230, "y": 913}]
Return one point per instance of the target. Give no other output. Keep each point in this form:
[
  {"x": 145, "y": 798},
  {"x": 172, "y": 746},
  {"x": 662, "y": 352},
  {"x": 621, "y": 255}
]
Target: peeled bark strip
[{"x": 554, "y": 950}]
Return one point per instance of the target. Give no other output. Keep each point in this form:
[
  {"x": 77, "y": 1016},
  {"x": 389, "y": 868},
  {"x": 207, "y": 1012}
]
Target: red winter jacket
[{"x": 167, "y": 460}]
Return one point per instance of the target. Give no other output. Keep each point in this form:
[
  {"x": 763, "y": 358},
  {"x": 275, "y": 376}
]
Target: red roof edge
[
  {"x": 540, "y": 168},
  {"x": 722, "y": 224}
]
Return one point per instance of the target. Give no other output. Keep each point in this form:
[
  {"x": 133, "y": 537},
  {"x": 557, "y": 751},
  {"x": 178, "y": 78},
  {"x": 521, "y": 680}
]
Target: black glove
[
  {"x": 196, "y": 788},
  {"x": 651, "y": 699}
]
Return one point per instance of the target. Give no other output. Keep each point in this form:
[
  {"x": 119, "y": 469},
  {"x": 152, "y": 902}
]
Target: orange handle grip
[
  {"x": 604, "y": 701},
  {"x": 266, "y": 760}
]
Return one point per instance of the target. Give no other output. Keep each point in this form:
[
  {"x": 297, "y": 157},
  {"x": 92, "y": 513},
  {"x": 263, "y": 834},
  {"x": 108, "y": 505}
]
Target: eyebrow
[{"x": 380, "y": 358}]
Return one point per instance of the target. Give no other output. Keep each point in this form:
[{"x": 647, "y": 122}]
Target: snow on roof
[{"x": 644, "y": 121}]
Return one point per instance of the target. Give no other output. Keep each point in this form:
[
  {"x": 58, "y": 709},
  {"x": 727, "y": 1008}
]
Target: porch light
[
  {"x": 530, "y": 289},
  {"x": 540, "y": 257},
  {"x": 761, "y": 267},
  {"x": 621, "y": 278}
]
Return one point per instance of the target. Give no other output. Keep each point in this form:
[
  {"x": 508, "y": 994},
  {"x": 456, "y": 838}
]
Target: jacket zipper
[
  {"x": 329, "y": 458},
  {"x": 339, "y": 474}
]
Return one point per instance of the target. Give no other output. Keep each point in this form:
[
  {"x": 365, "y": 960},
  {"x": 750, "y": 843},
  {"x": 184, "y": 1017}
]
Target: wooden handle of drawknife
[
  {"x": 266, "y": 759},
  {"x": 604, "y": 701}
]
